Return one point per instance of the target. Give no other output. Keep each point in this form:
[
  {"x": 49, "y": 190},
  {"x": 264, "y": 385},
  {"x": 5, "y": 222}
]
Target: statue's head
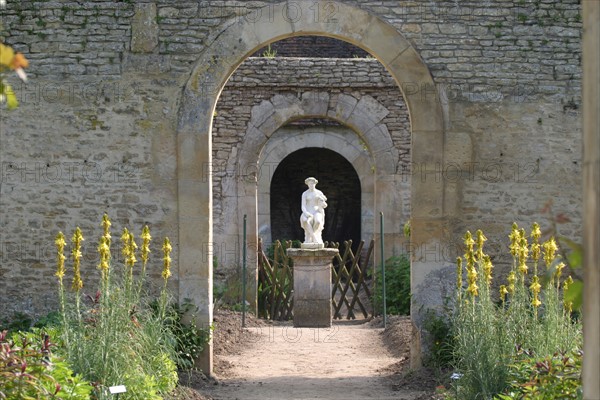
[{"x": 311, "y": 181}]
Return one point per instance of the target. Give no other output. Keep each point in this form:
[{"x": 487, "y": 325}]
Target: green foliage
[
  {"x": 29, "y": 370},
  {"x": 397, "y": 279},
  {"x": 18, "y": 322},
  {"x": 442, "y": 342},
  {"x": 52, "y": 319},
  {"x": 554, "y": 377},
  {"x": 269, "y": 53},
  {"x": 189, "y": 339},
  {"x": 22, "y": 322},
  {"x": 574, "y": 257}
]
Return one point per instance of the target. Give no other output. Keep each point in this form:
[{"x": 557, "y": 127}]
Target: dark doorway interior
[{"x": 338, "y": 180}]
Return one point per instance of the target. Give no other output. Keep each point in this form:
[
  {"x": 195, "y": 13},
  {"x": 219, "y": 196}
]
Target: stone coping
[{"x": 325, "y": 252}]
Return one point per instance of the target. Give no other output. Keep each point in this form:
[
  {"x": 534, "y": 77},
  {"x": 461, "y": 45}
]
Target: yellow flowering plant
[
  {"x": 119, "y": 337},
  {"x": 528, "y": 313}
]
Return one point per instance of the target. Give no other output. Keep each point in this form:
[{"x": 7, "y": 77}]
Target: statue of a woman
[{"x": 312, "y": 219}]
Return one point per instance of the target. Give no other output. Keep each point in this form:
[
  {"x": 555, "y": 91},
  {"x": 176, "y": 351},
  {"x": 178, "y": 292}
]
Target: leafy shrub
[
  {"x": 554, "y": 377},
  {"x": 397, "y": 279},
  {"x": 558, "y": 376},
  {"x": 29, "y": 370}
]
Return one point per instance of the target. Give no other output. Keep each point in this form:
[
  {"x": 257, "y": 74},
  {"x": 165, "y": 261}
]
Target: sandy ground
[{"x": 277, "y": 361}]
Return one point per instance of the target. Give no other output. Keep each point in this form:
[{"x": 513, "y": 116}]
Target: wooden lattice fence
[
  {"x": 349, "y": 278},
  {"x": 275, "y": 282},
  {"x": 351, "y": 285}
]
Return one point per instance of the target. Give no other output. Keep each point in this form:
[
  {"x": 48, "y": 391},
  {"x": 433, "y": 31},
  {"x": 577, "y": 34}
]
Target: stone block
[
  {"x": 144, "y": 28},
  {"x": 312, "y": 313},
  {"x": 312, "y": 286}
]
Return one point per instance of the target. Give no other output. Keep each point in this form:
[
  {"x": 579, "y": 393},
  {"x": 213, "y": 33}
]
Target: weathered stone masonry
[{"x": 104, "y": 126}]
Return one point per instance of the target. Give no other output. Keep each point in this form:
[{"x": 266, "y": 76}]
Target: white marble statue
[{"x": 312, "y": 219}]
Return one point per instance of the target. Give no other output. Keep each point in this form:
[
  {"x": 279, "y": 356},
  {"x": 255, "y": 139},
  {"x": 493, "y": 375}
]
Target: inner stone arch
[
  {"x": 339, "y": 139},
  {"x": 338, "y": 180}
]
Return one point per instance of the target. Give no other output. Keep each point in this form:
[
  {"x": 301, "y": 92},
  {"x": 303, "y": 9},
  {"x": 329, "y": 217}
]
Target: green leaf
[
  {"x": 575, "y": 256},
  {"x": 574, "y": 294}
]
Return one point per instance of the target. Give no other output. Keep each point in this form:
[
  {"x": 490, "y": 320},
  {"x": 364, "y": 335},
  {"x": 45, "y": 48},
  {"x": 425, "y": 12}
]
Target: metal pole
[
  {"x": 383, "y": 272},
  {"x": 244, "y": 276}
]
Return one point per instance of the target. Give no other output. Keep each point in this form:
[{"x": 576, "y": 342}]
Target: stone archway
[
  {"x": 339, "y": 139},
  {"x": 239, "y": 38}
]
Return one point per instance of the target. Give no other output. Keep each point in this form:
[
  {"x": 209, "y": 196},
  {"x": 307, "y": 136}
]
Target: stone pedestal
[{"x": 312, "y": 286}]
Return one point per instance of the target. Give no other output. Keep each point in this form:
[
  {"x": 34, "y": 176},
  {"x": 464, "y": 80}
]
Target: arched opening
[
  {"x": 337, "y": 179},
  {"x": 433, "y": 202}
]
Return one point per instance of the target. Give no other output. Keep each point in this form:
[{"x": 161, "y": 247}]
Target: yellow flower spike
[
  {"x": 487, "y": 269},
  {"x": 523, "y": 268},
  {"x": 106, "y": 227},
  {"x": 472, "y": 280},
  {"x": 459, "y": 271},
  {"x": 480, "y": 240},
  {"x": 469, "y": 242},
  {"x": 146, "y": 238},
  {"x": 503, "y": 292},
  {"x": 511, "y": 282},
  {"x": 536, "y": 232},
  {"x": 125, "y": 244},
  {"x": 470, "y": 258},
  {"x": 523, "y": 244},
  {"x": 76, "y": 253},
  {"x": 558, "y": 273},
  {"x": 473, "y": 289},
  {"x": 132, "y": 247},
  {"x": 550, "y": 249},
  {"x": 60, "y": 256},
  {"x": 536, "y": 251},
  {"x": 166, "y": 272},
  {"x": 535, "y": 285},
  {"x": 104, "y": 251},
  {"x": 568, "y": 305},
  {"x": 523, "y": 252},
  {"x": 535, "y": 288}
]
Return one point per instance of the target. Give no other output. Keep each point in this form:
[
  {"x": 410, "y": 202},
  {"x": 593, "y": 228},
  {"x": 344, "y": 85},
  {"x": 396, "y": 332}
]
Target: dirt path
[{"x": 348, "y": 361}]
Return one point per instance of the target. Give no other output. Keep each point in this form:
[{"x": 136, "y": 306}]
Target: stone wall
[
  {"x": 95, "y": 131},
  {"x": 482, "y": 51}
]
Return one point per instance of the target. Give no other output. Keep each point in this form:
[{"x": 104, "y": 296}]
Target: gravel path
[{"x": 348, "y": 361}]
